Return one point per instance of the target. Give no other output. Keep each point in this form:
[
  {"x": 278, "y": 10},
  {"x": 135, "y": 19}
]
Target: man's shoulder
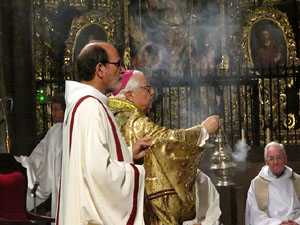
[
  {"x": 90, "y": 104},
  {"x": 295, "y": 176},
  {"x": 57, "y": 127}
]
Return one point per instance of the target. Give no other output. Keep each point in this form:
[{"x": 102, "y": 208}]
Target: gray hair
[
  {"x": 131, "y": 85},
  {"x": 274, "y": 144}
]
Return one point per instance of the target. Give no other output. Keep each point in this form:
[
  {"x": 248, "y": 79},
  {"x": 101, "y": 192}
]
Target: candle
[
  {"x": 268, "y": 135},
  {"x": 243, "y": 134}
]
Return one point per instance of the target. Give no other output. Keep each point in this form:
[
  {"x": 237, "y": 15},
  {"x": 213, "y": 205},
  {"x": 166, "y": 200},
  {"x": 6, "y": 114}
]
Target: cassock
[
  {"x": 99, "y": 182},
  {"x": 173, "y": 183},
  {"x": 43, "y": 166},
  {"x": 282, "y": 203}
]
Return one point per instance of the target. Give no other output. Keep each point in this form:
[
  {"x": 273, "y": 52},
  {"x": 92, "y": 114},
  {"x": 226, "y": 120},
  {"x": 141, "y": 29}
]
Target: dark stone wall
[
  {"x": 6, "y": 60},
  {"x": 18, "y": 77}
]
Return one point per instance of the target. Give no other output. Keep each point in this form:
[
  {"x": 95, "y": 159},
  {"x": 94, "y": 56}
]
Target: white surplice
[
  {"x": 283, "y": 202},
  {"x": 209, "y": 212},
  {"x": 96, "y": 188},
  {"x": 43, "y": 165}
]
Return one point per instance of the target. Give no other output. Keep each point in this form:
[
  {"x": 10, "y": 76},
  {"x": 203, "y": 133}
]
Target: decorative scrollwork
[
  {"x": 290, "y": 122},
  {"x": 279, "y": 18}
]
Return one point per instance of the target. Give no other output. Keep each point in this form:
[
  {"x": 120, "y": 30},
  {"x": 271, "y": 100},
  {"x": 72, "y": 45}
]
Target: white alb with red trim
[{"x": 97, "y": 187}]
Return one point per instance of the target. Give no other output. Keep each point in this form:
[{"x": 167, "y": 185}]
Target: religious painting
[
  {"x": 95, "y": 25},
  {"x": 89, "y": 33},
  {"x": 268, "y": 40},
  {"x": 267, "y": 46}
]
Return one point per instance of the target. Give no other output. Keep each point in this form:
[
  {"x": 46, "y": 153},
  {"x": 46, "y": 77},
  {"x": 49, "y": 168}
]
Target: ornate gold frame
[
  {"x": 276, "y": 16},
  {"x": 110, "y": 23},
  {"x": 280, "y": 19}
]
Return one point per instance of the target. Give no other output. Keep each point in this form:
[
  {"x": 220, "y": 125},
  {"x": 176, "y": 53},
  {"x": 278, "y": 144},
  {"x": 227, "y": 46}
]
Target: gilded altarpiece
[
  {"x": 57, "y": 26},
  {"x": 197, "y": 85},
  {"x": 278, "y": 86}
]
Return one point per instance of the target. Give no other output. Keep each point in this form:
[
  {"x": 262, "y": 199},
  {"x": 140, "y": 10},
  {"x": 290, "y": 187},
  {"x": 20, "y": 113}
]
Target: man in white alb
[
  {"x": 273, "y": 196},
  {"x": 43, "y": 165},
  {"x": 100, "y": 184}
]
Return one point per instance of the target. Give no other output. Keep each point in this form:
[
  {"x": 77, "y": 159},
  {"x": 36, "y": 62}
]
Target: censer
[{"x": 221, "y": 161}]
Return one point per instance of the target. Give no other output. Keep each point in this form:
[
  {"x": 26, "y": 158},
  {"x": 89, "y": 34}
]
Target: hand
[
  {"x": 48, "y": 213},
  {"x": 138, "y": 149},
  {"x": 211, "y": 124}
]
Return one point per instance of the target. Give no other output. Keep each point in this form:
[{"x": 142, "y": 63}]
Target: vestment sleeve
[
  {"x": 143, "y": 126},
  {"x": 39, "y": 166},
  {"x": 253, "y": 215}
]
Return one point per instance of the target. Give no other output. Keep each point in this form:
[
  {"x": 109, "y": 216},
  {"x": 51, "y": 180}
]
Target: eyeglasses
[
  {"x": 147, "y": 88},
  {"x": 117, "y": 64}
]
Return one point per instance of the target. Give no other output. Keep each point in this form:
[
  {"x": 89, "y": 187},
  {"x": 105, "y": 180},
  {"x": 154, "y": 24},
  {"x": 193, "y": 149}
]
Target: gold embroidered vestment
[{"x": 170, "y": 163}]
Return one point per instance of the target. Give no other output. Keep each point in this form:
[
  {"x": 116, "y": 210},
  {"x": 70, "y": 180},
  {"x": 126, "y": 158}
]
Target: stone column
[
  {"x": 17, "y": 73},
  {"x": 24, "y": 83},
  {"x": 6, "y": 61}
]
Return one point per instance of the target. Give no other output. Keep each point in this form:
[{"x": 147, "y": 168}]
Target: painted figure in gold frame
[
  {"x": 268, "y": 46},
  {"x": 85, "y": 35}
]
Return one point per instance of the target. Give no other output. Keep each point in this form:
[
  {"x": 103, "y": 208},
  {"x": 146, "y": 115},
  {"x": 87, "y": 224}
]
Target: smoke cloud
[{"x": 240, "y": 151}]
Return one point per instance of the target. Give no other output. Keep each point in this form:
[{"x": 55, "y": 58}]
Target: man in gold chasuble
[{"x": 174, "y": 186}]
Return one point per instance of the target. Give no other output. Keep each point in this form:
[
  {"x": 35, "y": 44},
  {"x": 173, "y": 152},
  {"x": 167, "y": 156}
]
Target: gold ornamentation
[
  {"x": 279, "y": 18},
  {"x": 224, "y": 65},
  {"x": 139, "y": 38},
  {"x": 270, "y": 111},
  {"x": 127, "y": 58},
  {"x": 290, "y": 122},
  {"x": 172, "y": 158}
]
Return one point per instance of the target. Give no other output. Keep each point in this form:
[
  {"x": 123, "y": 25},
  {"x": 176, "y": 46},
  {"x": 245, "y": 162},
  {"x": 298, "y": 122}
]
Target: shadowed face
[
  {"x": 265, "y": 36},
  {"x": 276, "y": 159},
  {"x": 57, "y": 113}
]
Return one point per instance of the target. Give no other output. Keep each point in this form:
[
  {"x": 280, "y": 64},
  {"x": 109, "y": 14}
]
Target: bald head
[{"x": 89, "y": 57}]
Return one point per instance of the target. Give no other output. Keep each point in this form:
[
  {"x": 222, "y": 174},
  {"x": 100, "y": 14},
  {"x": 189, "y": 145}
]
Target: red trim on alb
[
  {"x": 58, "y": 205},
  {"x": 135, "y": 195},
  {"x": 72, "y": 120},
  {"x": 118, "y": 145}
]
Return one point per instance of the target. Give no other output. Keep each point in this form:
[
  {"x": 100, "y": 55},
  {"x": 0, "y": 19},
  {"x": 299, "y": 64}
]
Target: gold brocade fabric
[{"x": 170, "y": 164}]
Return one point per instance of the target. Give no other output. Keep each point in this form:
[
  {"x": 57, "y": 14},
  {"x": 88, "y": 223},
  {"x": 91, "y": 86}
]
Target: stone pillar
[
  {"x": 24, "y": 83},
  {"x": 17, "y": 73},
  {"x": 6, "y": 61}
]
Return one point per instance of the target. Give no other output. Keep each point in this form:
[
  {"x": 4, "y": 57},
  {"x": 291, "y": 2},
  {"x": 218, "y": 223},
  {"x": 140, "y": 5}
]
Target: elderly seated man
[
  {"x": 175, "y": 190},
  {"x": 273, "y": 196}
]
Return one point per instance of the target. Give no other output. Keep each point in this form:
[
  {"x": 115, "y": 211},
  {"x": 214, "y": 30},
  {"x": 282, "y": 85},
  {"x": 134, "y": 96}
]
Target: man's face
[
  {"x": 265, "y": 36},
  {"x": 142, "y": 97},
  {"x": 112, "y": 78},
  {"x": 57, "y": 113},
  {"x": 276, "y": 159}
]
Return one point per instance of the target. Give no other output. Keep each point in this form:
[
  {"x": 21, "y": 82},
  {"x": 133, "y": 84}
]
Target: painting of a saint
[
  {"x": 92, "y": 32},
  {"x": 268, "y": 47}
]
